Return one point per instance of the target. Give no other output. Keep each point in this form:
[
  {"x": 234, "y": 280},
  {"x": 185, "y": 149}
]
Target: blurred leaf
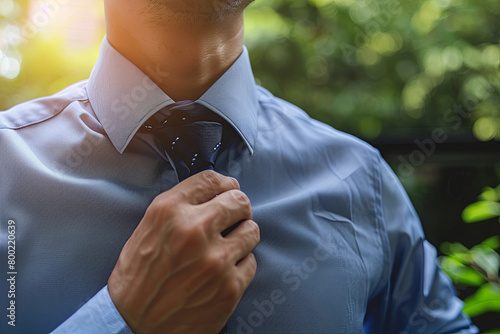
[
  {"x": 492, "y": 242},
  {"x": 464, "y": 258},
  {"x": 487, "y": 259},
  {"x": 449, "y": 248},
  {"x": 493, "y": 331},
  {"x": 460, "y": 273},
  {"x": 486, "y": 299},
  {"x": 480, "y": 211},
  {"x": 490, "y": 194}
]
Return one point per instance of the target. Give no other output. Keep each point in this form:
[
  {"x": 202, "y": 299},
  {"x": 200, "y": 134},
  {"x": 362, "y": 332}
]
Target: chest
[{"x": 311, "y": 277}]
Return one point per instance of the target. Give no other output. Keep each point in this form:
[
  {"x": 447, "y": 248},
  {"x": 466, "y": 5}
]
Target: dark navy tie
[{"x": 191, "y": 136}]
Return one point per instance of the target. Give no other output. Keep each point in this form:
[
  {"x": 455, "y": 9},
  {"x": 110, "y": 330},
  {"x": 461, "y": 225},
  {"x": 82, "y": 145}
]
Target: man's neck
[{"x": 189, "y": 54}]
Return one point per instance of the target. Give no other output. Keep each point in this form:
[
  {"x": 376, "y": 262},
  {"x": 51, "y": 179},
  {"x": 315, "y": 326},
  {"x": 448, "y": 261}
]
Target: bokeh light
[{"x": 485, "y": 128}]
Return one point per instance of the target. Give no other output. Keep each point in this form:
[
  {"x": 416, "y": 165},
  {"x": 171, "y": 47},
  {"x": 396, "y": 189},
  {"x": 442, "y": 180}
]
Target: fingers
[
  {"x": 240, "y": 242},
  {"x": 246, "y": 269},
  {"x": 204, "y": 186},
  {"x": 224, "y": 211}
]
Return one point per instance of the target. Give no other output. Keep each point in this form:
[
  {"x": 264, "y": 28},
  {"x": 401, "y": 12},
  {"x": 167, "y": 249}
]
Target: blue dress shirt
[{"x": 342, "y": 250}]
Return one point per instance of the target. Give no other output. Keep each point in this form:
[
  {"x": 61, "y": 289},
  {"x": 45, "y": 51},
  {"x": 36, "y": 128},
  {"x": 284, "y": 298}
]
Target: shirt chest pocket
[{"x": 313, "y": 283}]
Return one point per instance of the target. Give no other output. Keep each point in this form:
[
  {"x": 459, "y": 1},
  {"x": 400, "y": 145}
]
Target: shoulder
[
  {"x": 307, "y": 139},
  {"x": 42, "y": 109}
]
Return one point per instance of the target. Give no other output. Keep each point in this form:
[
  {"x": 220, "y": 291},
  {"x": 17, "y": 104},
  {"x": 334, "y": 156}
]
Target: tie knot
[
  {"x": 195, "y": 143},
  {"x": 191, "y": 138}
]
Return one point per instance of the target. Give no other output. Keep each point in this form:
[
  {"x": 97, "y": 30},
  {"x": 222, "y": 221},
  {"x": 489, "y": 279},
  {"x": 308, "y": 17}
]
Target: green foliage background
[
  {"x": 478, "y": 266},
  {"x": 382, "y": 67}
]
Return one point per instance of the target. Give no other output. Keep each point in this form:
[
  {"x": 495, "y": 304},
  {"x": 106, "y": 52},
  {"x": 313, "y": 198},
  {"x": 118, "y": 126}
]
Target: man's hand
[{"x": 177, "y": 273}]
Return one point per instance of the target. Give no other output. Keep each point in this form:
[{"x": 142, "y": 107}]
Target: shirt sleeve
[
  {"x": 418, "y": 296},
  {"x": 99, "y": 315}
]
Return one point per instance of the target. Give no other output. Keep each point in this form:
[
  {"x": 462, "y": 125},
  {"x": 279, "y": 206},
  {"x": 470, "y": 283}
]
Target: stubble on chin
[{"x": 189, "y": 10}]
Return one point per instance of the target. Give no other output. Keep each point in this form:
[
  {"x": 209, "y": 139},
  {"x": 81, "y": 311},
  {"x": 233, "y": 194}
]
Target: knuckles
[
  {"x": 254, "y": 230},
  {"x": 163, "y": 205},
  {"x": 216, "y": 263},
  {"x": 216, "y": 181},
  {"x": 251, "y": 236},
  {"x": 233, "y": 290},
  {"x": 253, "y": 262},
  {"x": 211, "y": 179},
  {"x": 241, "y": 197},
  {"x": 237, "y": 199}
]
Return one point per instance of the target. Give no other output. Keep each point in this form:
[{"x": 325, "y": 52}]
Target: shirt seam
[
  {"x": 44, "y": 118},
  {"x": 379, "y": 219}
]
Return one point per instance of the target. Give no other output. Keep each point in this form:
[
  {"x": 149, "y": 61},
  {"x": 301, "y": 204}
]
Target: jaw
[{"x": 211, "y": 10}]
